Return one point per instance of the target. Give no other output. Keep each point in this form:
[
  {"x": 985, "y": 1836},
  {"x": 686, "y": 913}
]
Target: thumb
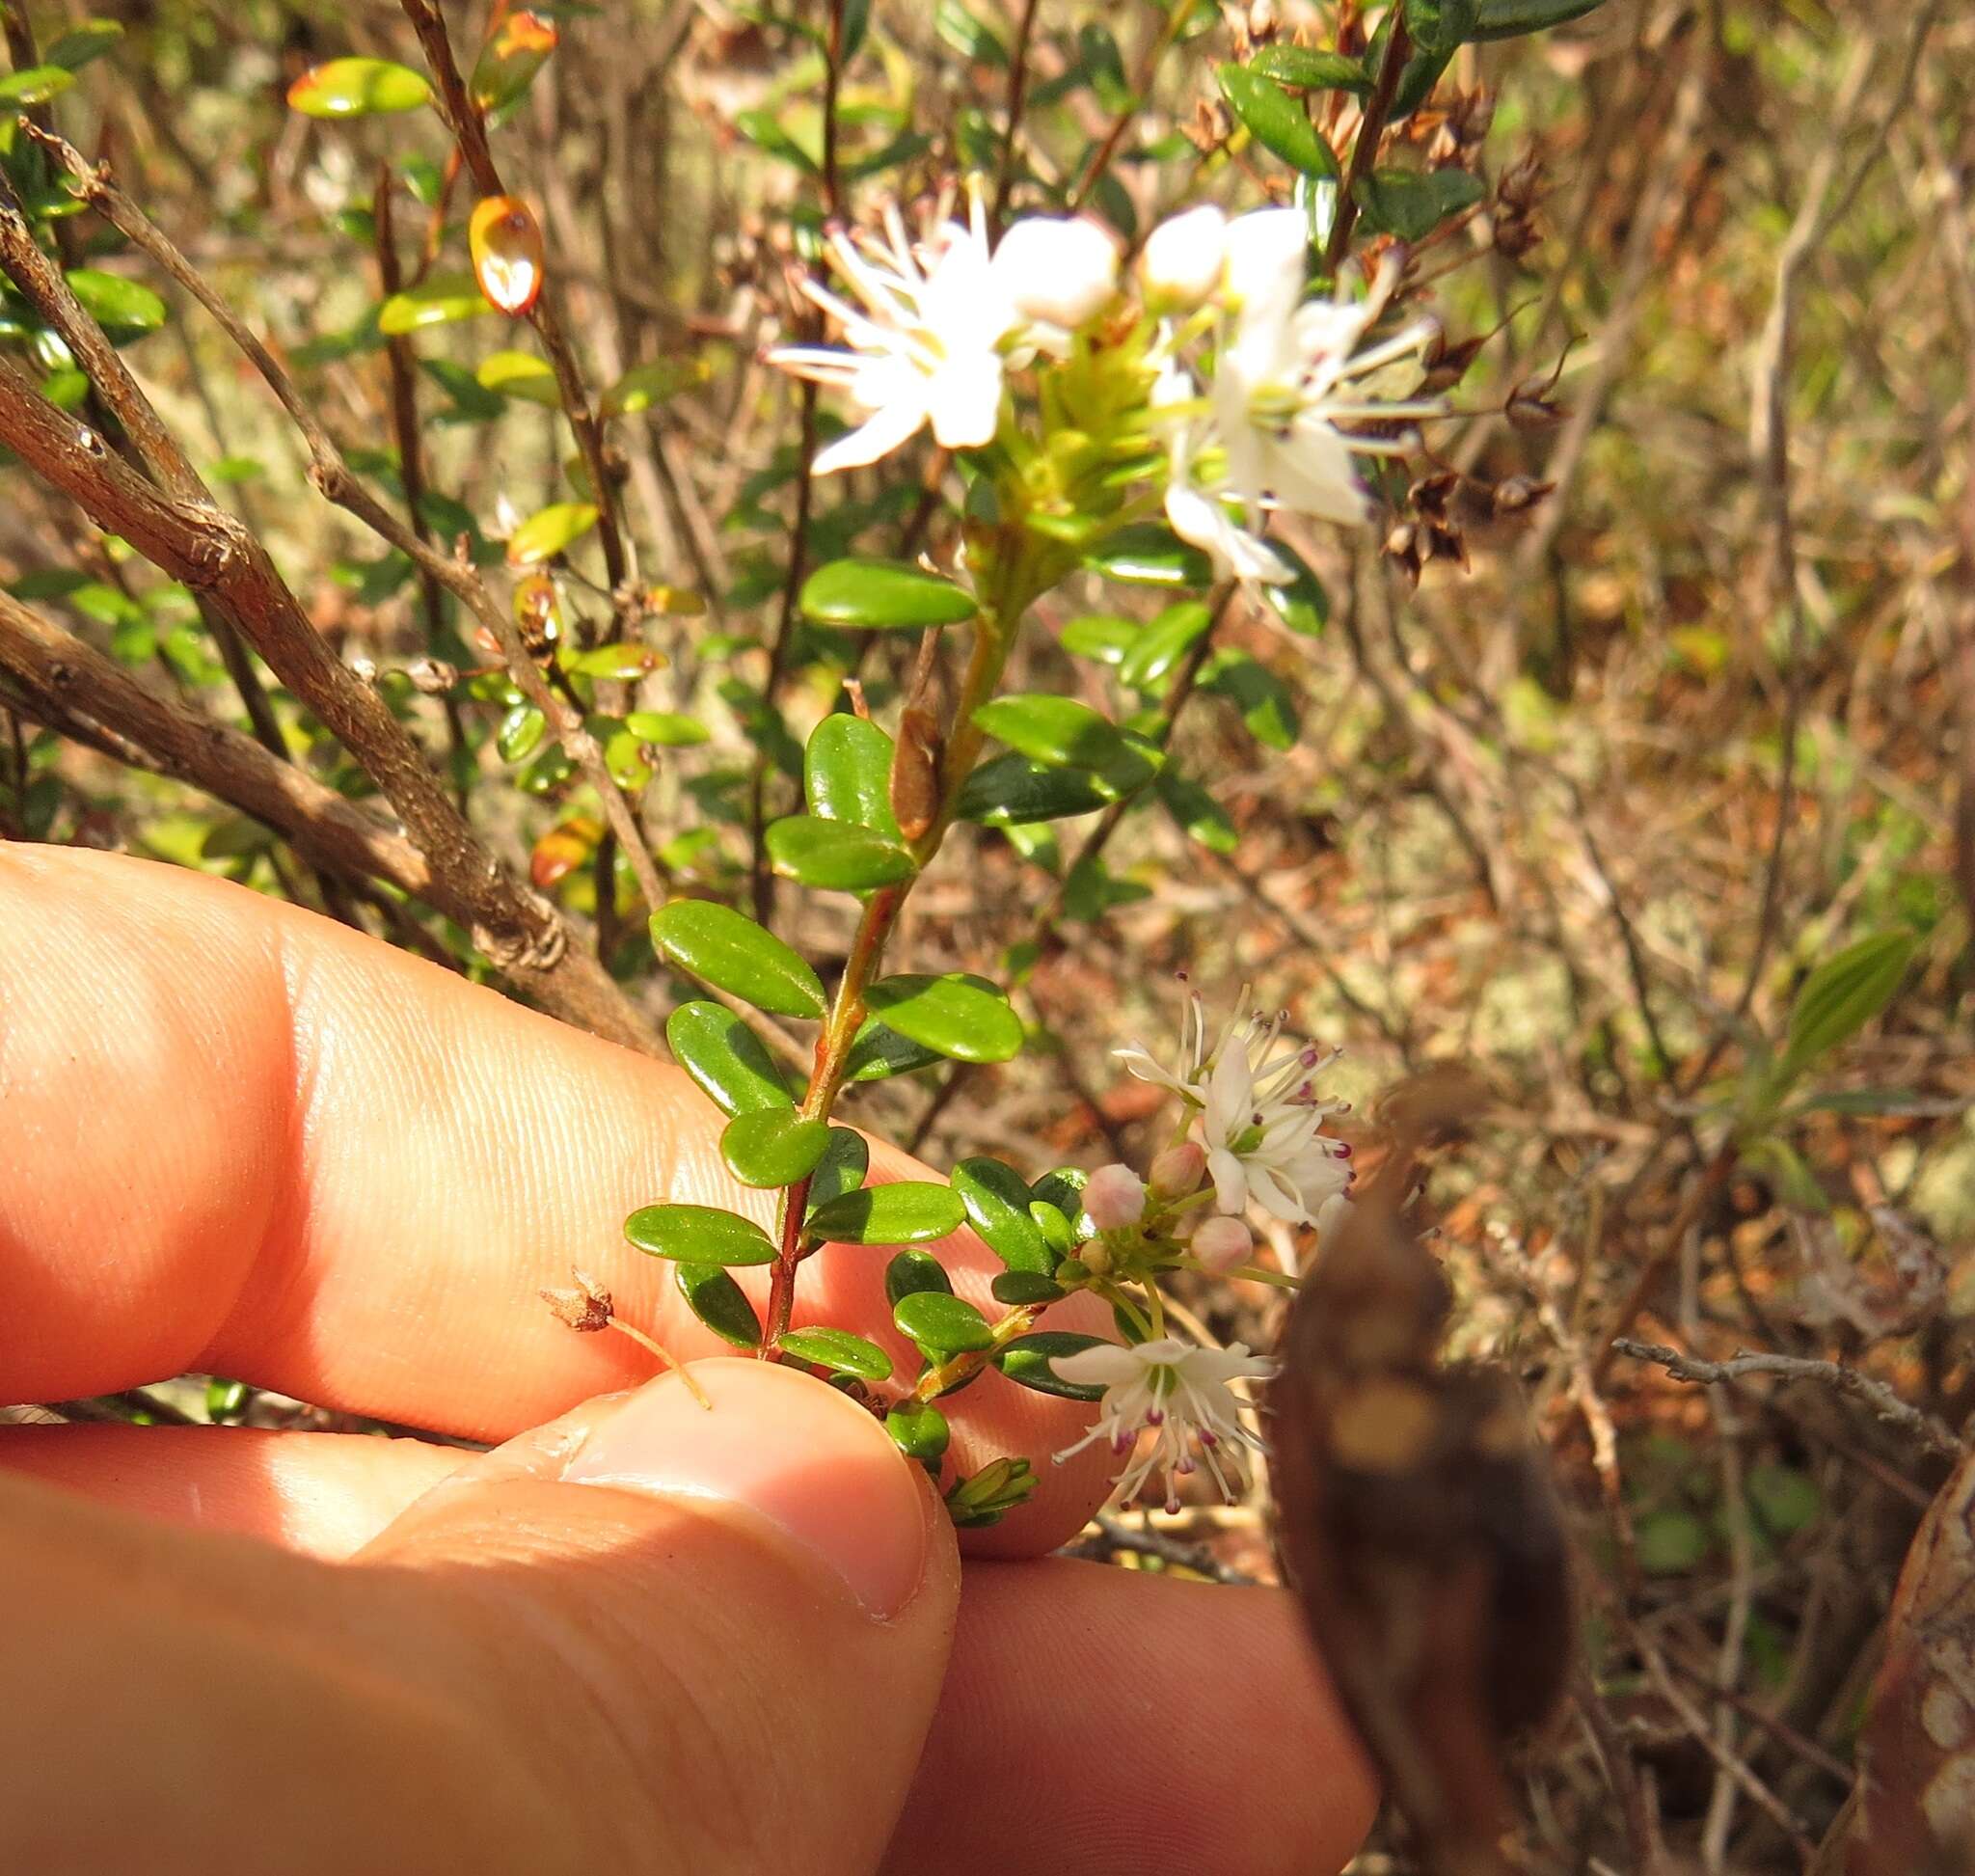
[{"x": 713, "y": 1635}]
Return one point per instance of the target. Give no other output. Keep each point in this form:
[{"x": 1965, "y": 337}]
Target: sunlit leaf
[
  {"x": 698, "y": 1234},
  {"x": 350, "y": 87}
]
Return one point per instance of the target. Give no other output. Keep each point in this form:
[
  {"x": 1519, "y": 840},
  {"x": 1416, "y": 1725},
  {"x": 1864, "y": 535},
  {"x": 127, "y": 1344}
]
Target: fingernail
[{"x": 812, "y": 1462}]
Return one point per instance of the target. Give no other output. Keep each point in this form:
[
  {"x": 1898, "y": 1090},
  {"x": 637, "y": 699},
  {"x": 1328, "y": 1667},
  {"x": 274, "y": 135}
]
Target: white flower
[
  {"x": 1183, "y": 259},
  {"x": 1260, "y": 1118},
  {"x": 1114, "y": 1198},
  {"x": 928, "y": 348},
  {"x": 1196, "y": 514},
  {"x": 1062, "y": 270},
  {"x": 1175, "y": 1391}
]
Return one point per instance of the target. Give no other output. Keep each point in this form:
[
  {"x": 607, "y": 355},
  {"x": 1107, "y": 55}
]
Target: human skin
[{"x": 240, "y": 1139}]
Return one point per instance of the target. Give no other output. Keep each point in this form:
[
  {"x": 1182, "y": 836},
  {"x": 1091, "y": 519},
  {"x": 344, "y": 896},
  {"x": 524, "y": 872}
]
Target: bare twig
[{"x": 1398, "y": 49}]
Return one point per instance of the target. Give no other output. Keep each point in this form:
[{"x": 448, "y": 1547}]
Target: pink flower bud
[
  {"x": 1222, "y": 1244},
  {"x": 1115, "y": 1198},
  {"x": 1177, "y": 1170}
]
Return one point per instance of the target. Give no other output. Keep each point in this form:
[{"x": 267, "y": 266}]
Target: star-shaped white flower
[{"x": 1176, "y": 1392}]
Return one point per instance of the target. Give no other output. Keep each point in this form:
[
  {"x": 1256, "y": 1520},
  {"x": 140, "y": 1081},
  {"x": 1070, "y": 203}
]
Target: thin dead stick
[{"x": 1935, "y": 1437}]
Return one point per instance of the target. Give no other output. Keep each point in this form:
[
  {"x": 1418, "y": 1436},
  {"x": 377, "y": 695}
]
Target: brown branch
[
  {"x": 1370, "y": 130},
  {"x": 65, "y": 679},
  {"x": 1924, "y": 1428},
  {"x": 469, "y": 127},
  {"x": 1018, "y": 93}
]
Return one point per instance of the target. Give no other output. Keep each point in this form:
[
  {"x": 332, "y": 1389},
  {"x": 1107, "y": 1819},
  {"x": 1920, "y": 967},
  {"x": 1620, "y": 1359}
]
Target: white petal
[
  {"x": 964, "y": 401},
  {"x": 1183, "y": 257},
  {"x": 1059, "y": 269},
  {"x": 1230, "y": 1182},
  {"x": 896, "y": 424},
  {"x": 1105, "y": 1363}
]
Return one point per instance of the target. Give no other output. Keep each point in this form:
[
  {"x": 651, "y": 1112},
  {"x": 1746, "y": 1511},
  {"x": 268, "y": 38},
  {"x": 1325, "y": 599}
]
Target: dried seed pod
[
  {"x": 1416, "y": 1523},
  {"x": 586, "y": 1308}
]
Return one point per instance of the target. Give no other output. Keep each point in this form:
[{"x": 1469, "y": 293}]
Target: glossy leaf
[
  {"x": 437, "y": 301},
  {"x": 1148, "y": 554},
  {"x": 834, "y": 856},
  {"x": 1157, "y": 650},
  {"x": 353, "y": 88},
  {"x": 907, "y": 1211},
  {"x": 1440, "y": 25},
  {"x": 1198, "y": 815},
  {"x": 667, "y": 728},
  {"x": 1300, "y": 603},
  {"x": 1276, "y": 121},
  {"x": 519, "y": 733},
  {"x": 645, "y": 387},
  {"x": 960, "y": 1016},
  {"x": 1027, "y": 1358},
  {"x": 1063, "y": 733},
  {"x": 845, "y": 1161},
  {"x": 727, "y": 1060},
  {"x": 847, "y": 774},
  {"x": 1264, "y": 700},
  {"x": 879, "y": 1053},
  {"x": 698, "y": 1234},
  {"x": 514, "y": 52},
  {"x": 943, "y": 1324},
  {"x": 773, "y": 1146},
  {"x": 840, "y": 1351},
  {"x": 1843, "y": 995},
  {"x": 727, "y": 949},
  {"x": 1014, "y": 790},
  {"x": 1507, "y": 20},
  {"x": 1016, "y": 1288},
  {"x": 1411, "y": 203},
  {"x": 997, "y": 1201},
  {"x": 1100, "y": 636},
  {"x": 1306, "y": 68},
  {"x": 920, "y": 1430},
  {"x": 519, "y": 374},
  {"x": 35, "y": 84},
  {"x": 505, "y": 242},
  {"x": 913, "y": 1271},
  {"x": 719, "y": 1302},
  {"x": 883, "y": 595},
  {"x": 549, "y": 532},
  {"x": 116, "y": 304},
  {"x": 1062, "y": 1189}
]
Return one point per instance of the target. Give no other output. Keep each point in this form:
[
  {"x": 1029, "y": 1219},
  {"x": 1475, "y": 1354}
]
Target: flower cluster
[{"x": 1254, "y": 397}]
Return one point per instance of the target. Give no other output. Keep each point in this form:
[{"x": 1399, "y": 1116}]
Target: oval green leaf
[
  {"x": 1015, "y": 791},
  {"x": 116, "y": 304},
  {"x": 835, "y": 855},
  {"x": 1027, "y": 1358},
  {"x": 355, "y": 88},
  {"x": 1155, "y": 653},
  {"x": 550, "y": 532},
  {"x": 883, "y": 595},
  {"x": 1020, "y": 1286},
  {"x": 840, "y": 1351},
  {"x": 698, "y": 1234},
  {"x": 879, "y": 1053},
  {"x": 960, "y": 1016},
  {"x": 920, "y": 1430},
  {"x": 1101, "y": 635},
  {"x": 1844, "y": 993},
  {"x": 997, "y": 1201},
  {"x": 845, "y": 1161},
  {"x": 437, "y": 301},
  {"x": 1306, "y": 68},
  {"x": 719, "y": 1302},
  {"x": 520, "y": 374},
  {"x": 723, "y": 947},
  {"x": 727, "y": 1059},
  {"x": 847, "y": 774},
  {"x": 773, "y": 1146},
  {"x": 1276, "y": 121},
  {"x": 943, "y": 1324},
  {"x": 911, "y": 1272},
  {"x": 909, "y": 1212},
  {"x": 1147, "y": 554},
  {"x": 1507, "y": 20},
  {"x": 1411, "y": 203},
  {"x": 667, "y": 728},
  {"x": 1067, "y": 734}
]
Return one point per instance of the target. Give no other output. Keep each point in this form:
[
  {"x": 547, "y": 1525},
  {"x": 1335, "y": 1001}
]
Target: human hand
[{"x": 237, "y": 1138}]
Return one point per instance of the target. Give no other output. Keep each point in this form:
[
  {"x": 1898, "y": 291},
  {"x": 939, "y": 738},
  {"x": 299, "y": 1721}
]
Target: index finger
[{"x": 240, "y": 1139}]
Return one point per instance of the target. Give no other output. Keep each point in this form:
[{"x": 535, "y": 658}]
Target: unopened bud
[
  {"x": 1059, "y": 269},
  {"x": 1222, "y": 1244},
  {"x": 1332, "y": 1215},
  {"x": 1183, "y": 259},
  {"x": 1115, "y": 1198},
  {"x": 1177, "y": 1170}
]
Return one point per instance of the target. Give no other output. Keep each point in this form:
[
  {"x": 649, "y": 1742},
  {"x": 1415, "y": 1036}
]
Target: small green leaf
[
  {"x": 1300, "y": 603},
  {"x": 352, "y": 88},
  {"x": 83, "y": 42},
  {"x": 722, "y": 947},
  {"x": 913, "y": 1271},
  {"x": 907, "y": 1211},
  {"x": 698, "y": 1234},
  {"x": 1018, "y": 1287},
  {"x": 960, "y": 1016},
  {"x": 1264, "y": 700},
  {"x": 1148, "y": 554},
  {"x": 1304, "y": 69},
  {"x": 521, "y": 730},
  {"x": 1064, "y": 1189},
  {"x": 840, "y": 1351},
  {"x": 35, "y": 84},
  {"x": 1198, "y": 815},
  {"x": 1158, "y": 651},
  {"x": 437, "y": 301},
  {"x": 1015, "y": 791},
  {"x": 719, "y": 1302},
  {"x": 773, "y": 1146},
  {"x": 549, "y": 532},
  {"x": 1507, "y": 20},
  {"x": 920, "y": 1430},
  {"x": 835, "y": 855},
  {"x": 1100, "y": 636},
  {"x": 1411, "y": 203},
  {"x": 667, "y": 728},
  {"x": 882, "y": 595},
  {"x": 1440, "y": 25},
  {"x": 1842, "y": 995},
  {"x": 997, "y": 1201},
  {"x": 645, "y": 387},
  {"x": 116, "y": 304},
  {"x": 847, "y": 774},
  {"x": 879, "y": 1053},
  {"x": 1276, "y": 121},
  {"x": 1063, "y": 733},
  {"x": 726, "y": 1059},
  {"x": 520, "y": 374},
  {"x": 943, "y": 1324},
  {"x": 1027, "y": 1358},
  {"x": 990, "y": 1494},
  {"x": 620, "y": 662},
  {"x": 845, "y": 1161}
]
